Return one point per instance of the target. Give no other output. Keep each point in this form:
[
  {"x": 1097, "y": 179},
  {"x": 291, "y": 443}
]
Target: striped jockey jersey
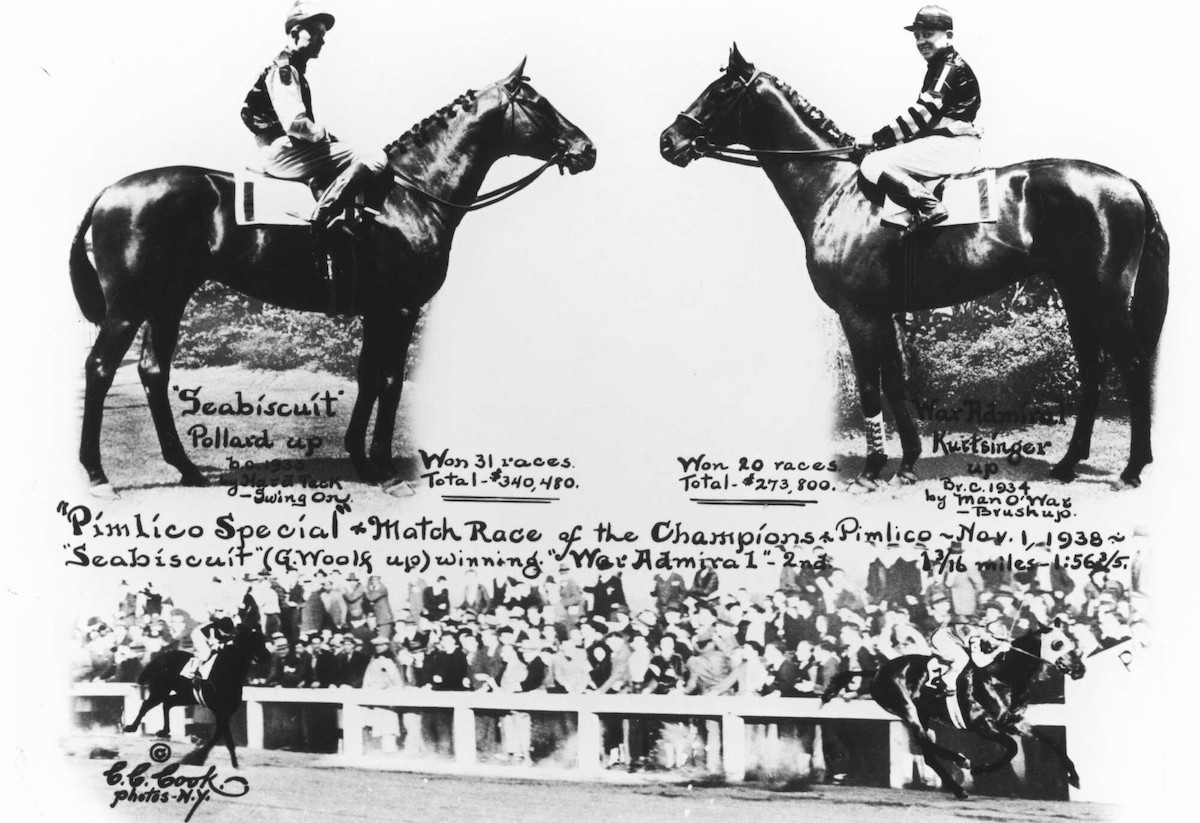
[{"x": 947, "y": 105}]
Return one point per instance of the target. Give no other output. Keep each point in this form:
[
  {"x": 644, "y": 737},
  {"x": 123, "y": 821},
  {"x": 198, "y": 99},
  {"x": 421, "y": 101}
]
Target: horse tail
[
  {"x": 839, "y": 682},
  {"x": 1150, "y": 288},
  {"x": 84, "y": 279}
]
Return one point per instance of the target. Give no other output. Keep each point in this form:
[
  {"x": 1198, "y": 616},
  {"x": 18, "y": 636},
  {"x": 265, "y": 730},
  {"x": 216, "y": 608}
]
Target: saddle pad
[
  {"x": 261, "y": 201},
  {"x": 970, "y": 199}
]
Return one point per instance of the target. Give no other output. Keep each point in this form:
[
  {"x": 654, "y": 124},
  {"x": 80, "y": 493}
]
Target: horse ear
[
  {"x": 737, "y": 64},
  {"x": 518, "y": 74}
]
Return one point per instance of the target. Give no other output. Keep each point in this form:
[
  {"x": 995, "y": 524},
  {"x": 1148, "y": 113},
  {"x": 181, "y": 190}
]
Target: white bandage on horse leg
[{"x": 875, "y": 433}]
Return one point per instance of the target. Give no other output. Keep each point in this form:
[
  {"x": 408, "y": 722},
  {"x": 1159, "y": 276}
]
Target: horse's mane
[
  {"x": 421, "y": 131},
  {"x": 812, "y": 116}
]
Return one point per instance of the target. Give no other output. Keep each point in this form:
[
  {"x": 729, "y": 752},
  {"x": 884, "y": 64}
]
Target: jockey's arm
[
  {"x": 919, "y": 118},
  {"x": 283, "y": 87},
  {"x": 986, "y": 649}
]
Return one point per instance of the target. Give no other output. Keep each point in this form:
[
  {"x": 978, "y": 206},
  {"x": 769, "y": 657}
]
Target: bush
[
  {"x": 1012, "y": 348},
  {"x": 222, "y": 328}
]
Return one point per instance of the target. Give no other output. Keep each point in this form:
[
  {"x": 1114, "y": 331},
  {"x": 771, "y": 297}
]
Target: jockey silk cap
[
  {"x": 932, "y": 17},
  {"x": 302, "y": 10}
]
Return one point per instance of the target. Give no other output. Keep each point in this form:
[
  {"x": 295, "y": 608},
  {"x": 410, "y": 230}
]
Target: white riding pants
[{"x": 927, "y": 157}]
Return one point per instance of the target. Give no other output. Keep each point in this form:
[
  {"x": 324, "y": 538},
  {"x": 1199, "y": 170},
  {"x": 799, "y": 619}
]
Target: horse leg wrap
[{"x": 875, "y": 433}]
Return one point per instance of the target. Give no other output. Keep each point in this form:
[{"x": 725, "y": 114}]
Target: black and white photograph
[{"x": 629, "y": 412}]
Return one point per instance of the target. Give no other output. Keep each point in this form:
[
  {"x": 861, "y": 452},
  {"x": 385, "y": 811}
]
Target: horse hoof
[
  {"x": 866, "y": 483},
  {"x": 906, "y": 477},
  {"x": 163, "y": 735},
  {"x": 400, "y": 488},
  {"x": 962, "y": 794},
  {"x": 104, "y": 491},
  {"x": 193, "y": 479},
  {"x": 1126, "y": 483},
  {"x": 1074, "y": 781},
  {"x": 1063, "y": 474},
  {"x": 129, "y": 728}
]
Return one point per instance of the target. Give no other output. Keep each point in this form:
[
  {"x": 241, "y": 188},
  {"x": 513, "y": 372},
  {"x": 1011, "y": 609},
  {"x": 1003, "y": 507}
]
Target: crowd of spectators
[{"x": 564, "y": 634}]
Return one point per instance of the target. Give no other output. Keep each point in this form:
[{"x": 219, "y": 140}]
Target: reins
[
  {"x": 483, "y": 200},
  {"x": 751, "y": 157},
  {"x": 486, "y": 199}
]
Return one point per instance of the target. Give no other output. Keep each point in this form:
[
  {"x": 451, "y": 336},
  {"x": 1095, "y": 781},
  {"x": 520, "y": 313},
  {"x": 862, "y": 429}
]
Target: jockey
[
  {"x": 934, "y": 137},
  {"x": 207, "y": 640},
  {"x": 294, "y": 146},
  {"x": 959, "y": 643}
]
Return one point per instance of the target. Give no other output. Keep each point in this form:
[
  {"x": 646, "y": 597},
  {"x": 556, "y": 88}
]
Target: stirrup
[{"x": 923, "y": 220}]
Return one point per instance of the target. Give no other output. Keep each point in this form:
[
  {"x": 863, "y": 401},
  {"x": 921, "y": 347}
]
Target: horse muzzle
[
  {"x": 679, "y": 149},
  {"x": 578, "y": 158},
  {"x": 1074, "y": 669}
]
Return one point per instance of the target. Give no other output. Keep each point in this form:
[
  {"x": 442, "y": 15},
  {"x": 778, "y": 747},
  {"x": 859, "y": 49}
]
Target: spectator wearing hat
[
  {"x": 279, "y": 112},
  {"x": 324, "y": 661},
  {"x": 934, "y": 137},
  {"x": 446, "y": 666},
  {"x": 380, "y": 607},
  {"x": 313, "y": 616},
  {"x": 266, "y": 598},
  {"x": 416, "y": 596},
  {"x": 607, "y": 594},
  {"x": 571, "y": 596},
  {"x": 333, "y": 595},
  {"x": 355, "y": 594},
  {"x": 619, "y": 651},
  {"x": 436, "y": 601},
  {"x": 350, "y": 662},
  {"x": 669, "y": 590},
  {"x": 705, "y": 584},
  {"x": 381, "y": 671},
  {"x": 515, "y": 727},
  {"x": 571, "y": 668},
  {"x": 964, "y": 588},
  {"x": 475, "y": 598}
]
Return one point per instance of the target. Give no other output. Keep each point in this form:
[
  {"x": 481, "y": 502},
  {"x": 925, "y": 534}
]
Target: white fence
[{"x": 728, "y": 718}]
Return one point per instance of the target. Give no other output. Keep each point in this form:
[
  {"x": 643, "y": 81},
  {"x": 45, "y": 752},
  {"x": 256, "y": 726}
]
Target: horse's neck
[
  {"x": 230, "y": 659},
  {"x": 804, "y": 185},
  {"x": 1020, "y": 668},
  {"x": 453, "y": 162}
]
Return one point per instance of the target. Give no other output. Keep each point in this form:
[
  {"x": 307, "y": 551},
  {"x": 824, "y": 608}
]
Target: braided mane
[
  {"x": 812, "y": 116},
  {"x": 422, "y": 131}
]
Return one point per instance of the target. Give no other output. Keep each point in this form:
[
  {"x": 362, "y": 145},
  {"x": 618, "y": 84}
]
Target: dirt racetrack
[{"x": 296, "y": 788}]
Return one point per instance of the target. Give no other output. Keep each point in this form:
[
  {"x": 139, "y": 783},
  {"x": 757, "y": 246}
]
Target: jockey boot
[
  {"x": 911, "y": 194},
  {"x": 339, "y": 196}
]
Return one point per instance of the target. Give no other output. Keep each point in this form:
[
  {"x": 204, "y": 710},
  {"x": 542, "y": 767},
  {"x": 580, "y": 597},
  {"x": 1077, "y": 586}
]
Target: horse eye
[{"x": 1056, "y": 645}]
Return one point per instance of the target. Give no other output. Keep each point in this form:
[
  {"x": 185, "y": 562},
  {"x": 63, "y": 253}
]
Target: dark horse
[
  {"x": 999, "y": 694},
  {"x": 158, "y": 235},
  {"x": 221, "y": 692},
  {"x": 1090, "y": 231}
]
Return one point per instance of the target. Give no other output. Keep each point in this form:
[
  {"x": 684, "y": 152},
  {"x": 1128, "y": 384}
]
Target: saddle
[
  {"x": 970, "y": 198},
  {"x": 340, "y": 258}
]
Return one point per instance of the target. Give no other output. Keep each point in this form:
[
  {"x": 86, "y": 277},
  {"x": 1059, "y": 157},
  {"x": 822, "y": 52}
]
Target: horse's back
[
  {"x": 168, "y": 663},
  {"x": 175, "y": 184}
]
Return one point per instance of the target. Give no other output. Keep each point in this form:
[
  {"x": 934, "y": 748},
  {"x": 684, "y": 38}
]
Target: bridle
[
  {"x": 512, "y": 105},
  {"x": 703, "y": 146}
]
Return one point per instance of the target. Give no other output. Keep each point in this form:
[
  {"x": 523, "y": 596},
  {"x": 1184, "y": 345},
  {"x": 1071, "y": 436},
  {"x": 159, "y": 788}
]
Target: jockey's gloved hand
[{"x": 864, "y": 143}]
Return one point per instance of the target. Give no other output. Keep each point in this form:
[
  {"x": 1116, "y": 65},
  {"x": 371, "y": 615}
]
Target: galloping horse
[
  {"x": 1092, "y": 232},
  {"x": 901, "y": 687},
  {"x": 158, "y": 235},
  {"x": 221, "y": 692}
]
